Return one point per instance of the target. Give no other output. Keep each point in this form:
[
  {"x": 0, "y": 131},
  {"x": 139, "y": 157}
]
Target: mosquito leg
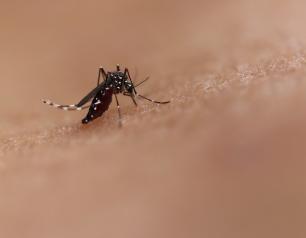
[
  {"x": 80, "y": 106},
  {"x": 131, "y": 96},
  {"x": 119, "y": 112},
  {"x": 134, "y": 101},
  {"x": 72, "y": 107},
  {"x": 103, "y": 73},
  {"x": 126, "y": 72},
  {"x": 151, "y": 100}
]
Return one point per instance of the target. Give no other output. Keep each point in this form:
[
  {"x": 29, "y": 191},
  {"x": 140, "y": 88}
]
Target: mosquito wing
[{"x": 91, "y": 94}]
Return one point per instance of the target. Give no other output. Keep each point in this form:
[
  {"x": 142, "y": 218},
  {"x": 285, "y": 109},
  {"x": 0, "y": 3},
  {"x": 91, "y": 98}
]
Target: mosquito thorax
[{"x": 116, "y": 80}]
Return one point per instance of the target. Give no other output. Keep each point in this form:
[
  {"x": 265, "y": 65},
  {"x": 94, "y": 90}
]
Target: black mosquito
[{"x": 113, "y": 83}]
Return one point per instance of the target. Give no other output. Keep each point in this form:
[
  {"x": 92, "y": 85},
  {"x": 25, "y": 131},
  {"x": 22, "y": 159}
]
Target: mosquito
[{"x": 113, "y": 83}]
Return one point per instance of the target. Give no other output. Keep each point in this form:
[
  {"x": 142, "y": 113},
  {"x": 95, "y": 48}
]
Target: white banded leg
[{"x": 72, "y": 107}]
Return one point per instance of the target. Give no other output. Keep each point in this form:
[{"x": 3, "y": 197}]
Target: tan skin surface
[{"x": 225, "y": 159}]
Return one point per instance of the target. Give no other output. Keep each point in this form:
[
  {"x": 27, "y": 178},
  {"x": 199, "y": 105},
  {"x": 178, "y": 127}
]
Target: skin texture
[{"x": 226, "y": 158}]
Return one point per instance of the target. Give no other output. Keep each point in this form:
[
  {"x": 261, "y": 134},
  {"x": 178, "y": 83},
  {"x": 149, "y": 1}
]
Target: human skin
[{"x": 226, "y": 158}]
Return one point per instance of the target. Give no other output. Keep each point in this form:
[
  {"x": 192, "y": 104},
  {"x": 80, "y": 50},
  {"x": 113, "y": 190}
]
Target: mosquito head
[{"x": 118, "y": 67}]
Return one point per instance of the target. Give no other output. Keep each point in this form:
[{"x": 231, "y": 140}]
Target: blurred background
[{"x": 226, "y": 158}]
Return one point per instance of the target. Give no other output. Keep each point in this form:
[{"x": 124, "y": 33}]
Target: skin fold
[{"x": 226, "y": 158}]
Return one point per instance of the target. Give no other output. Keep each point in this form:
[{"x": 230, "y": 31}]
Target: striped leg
[{"x": 65, "y": 107}]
